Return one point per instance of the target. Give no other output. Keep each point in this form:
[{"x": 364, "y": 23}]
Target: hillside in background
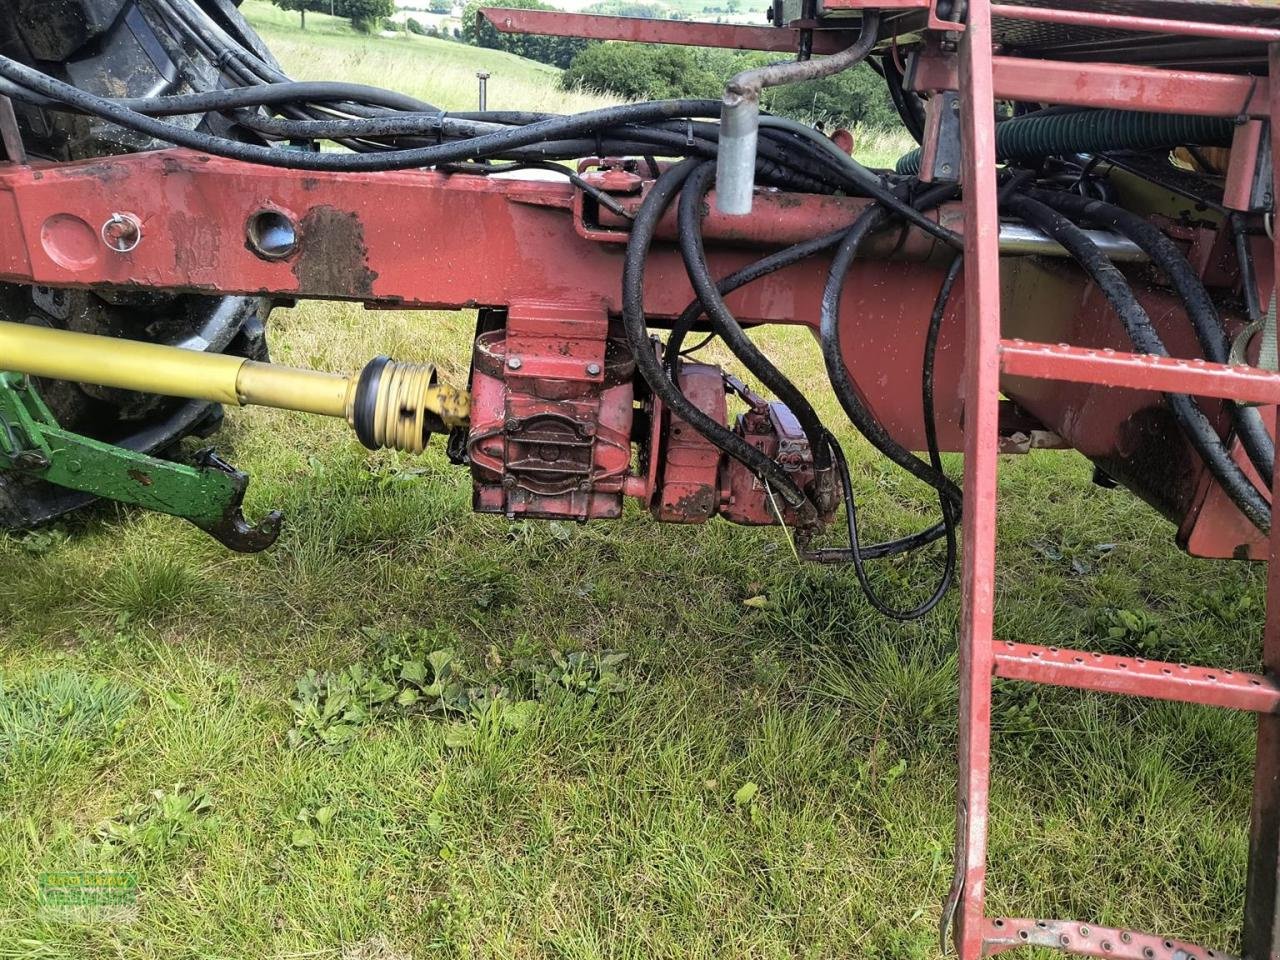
[{"x": 442, "y": 72}]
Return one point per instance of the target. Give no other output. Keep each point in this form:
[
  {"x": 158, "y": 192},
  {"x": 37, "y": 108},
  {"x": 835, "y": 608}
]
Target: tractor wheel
[{"x": 115, "y": 48}]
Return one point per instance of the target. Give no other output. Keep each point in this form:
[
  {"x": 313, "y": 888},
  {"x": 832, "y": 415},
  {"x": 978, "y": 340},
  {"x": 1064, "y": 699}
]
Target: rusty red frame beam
[
  {"x": 1113, "y": 85},
  {"x": 375, "y": 237},
  {"x": 1113, "y": 368},
  {"x": 690, "y": 33},
  {"x": 1137, "y": 676},
  {"x": 1116, "y": 21}
]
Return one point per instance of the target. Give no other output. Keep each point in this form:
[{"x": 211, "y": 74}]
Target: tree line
[
  {"x": 365, "y": 15},
  {"x": 639, "y": 71}
]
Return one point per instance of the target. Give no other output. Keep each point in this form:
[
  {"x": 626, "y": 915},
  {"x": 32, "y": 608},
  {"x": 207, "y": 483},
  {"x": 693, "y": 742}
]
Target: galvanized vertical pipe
[
  {"x": 1261, "y": 937},
  {"x": 483, "y": 77},
  {"x": 981, "y": 445}
]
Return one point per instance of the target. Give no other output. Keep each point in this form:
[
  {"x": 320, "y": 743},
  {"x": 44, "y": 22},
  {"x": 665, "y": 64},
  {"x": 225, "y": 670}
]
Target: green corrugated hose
[{"x": 1094, "y": 131}]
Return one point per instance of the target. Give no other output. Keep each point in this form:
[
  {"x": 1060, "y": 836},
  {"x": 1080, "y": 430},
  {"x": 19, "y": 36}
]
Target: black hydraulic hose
[
  {"x": 761, "y": 268},
  {"x": 599, "y": 196},
  {"x": 906, "y": 103},
  {"x": 1047, "y": 134},
  {"x": 489, "y": 144},
  {"x": 862, "y": 180},
  {"x": 1248, "y": 275},
  {"x": 753, "y": 271},
  {"x": 1165, "y": 254},
  {"x": 856, "y": 552},
  {"x": 1191, "y": 419},
  {"x": 862, "y": 418},
  {"x": 291, "y": 92},
  {"x": 726, "y": 325},
  {"x": 651, "y": 210}
]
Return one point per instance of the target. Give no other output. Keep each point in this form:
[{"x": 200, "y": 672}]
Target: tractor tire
[{"x": 115, "y": 48}]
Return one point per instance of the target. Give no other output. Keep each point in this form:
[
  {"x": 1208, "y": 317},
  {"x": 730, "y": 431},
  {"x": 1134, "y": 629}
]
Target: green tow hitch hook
[
  {"x": 229, "y": 526},
  {"x": 209, "y": 494}
]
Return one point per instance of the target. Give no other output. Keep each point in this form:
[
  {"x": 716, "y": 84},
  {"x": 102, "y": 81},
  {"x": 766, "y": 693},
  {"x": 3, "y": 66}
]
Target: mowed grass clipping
[{"x": 551, "y": 740}]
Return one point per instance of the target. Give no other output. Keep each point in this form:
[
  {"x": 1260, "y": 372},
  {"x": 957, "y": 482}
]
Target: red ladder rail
[{"x": 981, "y": 657}]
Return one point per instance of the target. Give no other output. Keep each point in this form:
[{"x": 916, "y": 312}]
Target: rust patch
[
  {"x": 196, "y": 241},
  {"x": 333, "y": 259},
  {"x": 139, "y": 477}
]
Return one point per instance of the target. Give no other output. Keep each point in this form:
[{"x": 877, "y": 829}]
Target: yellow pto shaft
[{"x": 389, "y": 404}]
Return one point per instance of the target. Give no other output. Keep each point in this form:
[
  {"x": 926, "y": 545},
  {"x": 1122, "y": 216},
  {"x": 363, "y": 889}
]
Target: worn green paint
[{"x": 31, "y": 442}]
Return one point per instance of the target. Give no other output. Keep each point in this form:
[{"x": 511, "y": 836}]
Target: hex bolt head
[
  {"x": 512, "y": 425},
  {"x": 514, "y": 363},
  {"x": 593, "y": 369}
]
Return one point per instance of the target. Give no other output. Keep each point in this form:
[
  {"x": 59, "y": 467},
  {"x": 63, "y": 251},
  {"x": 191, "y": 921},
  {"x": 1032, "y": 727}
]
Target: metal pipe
[
  {"x": 740, "y": 113},
  {"x": 1017, "y": 239},
  {"x": 388, "y": 403}
]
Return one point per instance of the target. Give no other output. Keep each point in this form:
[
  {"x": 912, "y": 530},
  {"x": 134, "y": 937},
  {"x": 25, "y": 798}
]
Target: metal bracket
[
  {"x": 209, "y": 494},
  {"x": 941, "y": 155}
]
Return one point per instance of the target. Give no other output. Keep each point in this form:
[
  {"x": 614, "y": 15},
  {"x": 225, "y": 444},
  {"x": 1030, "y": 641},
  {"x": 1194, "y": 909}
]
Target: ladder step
[
  {"x": 1136, "y": 677},
  {"x": 1113, "y": 368},
  {"x": 1082, "y": 939}
]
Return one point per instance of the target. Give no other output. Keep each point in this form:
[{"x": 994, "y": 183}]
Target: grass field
[{"x": 771, "y": 780}]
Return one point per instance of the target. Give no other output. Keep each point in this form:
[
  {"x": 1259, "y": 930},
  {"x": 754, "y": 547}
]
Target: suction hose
[{"x": 1093, "y": 131}]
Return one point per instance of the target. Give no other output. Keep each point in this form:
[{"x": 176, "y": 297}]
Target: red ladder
[{"x": 982, "y": 657}]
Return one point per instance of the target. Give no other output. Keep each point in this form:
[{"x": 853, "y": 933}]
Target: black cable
[
  {"x": 858, "y": 554},
  {"x": 1248, "y": 276},
  {"x": 754, "y": 271},
  {"x": 490, "y": 144},
  {"x": 947, "y": 527},
  {"x": 908, "y": 105},
  {"x": 1191, "y": 419},
  {"x": 599, "y": 196},
  {"x": 727, "y": 326},
  {"x": 651, "y": 210},
  {"x": 1212, "y": 336},
  {"x": 274, "y": 94},
  {"x": 870, "y": 220}
]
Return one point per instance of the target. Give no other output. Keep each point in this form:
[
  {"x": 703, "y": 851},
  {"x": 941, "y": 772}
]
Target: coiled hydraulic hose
[
  {"x": 762, "y": 268},
  {"x": 1093, "y": 131},
  {"x": 726, "y": 325},
  {"x": 950, "y": 512},
  {"x": 651, "y": 210},
  {"x": 829, "y": 335},
  {"x": 1191, "y": 419},
  {"x": 1165, "y": 254}
]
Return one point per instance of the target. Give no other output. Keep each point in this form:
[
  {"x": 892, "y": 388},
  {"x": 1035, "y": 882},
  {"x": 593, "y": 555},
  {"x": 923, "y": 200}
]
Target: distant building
[{"x": 445, "y": 23}]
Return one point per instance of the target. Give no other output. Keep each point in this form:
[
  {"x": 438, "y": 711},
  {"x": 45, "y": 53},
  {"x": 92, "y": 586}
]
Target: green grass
[
  {"x": 442, "y": 72},
  {"x": 524, "y": 817}
]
